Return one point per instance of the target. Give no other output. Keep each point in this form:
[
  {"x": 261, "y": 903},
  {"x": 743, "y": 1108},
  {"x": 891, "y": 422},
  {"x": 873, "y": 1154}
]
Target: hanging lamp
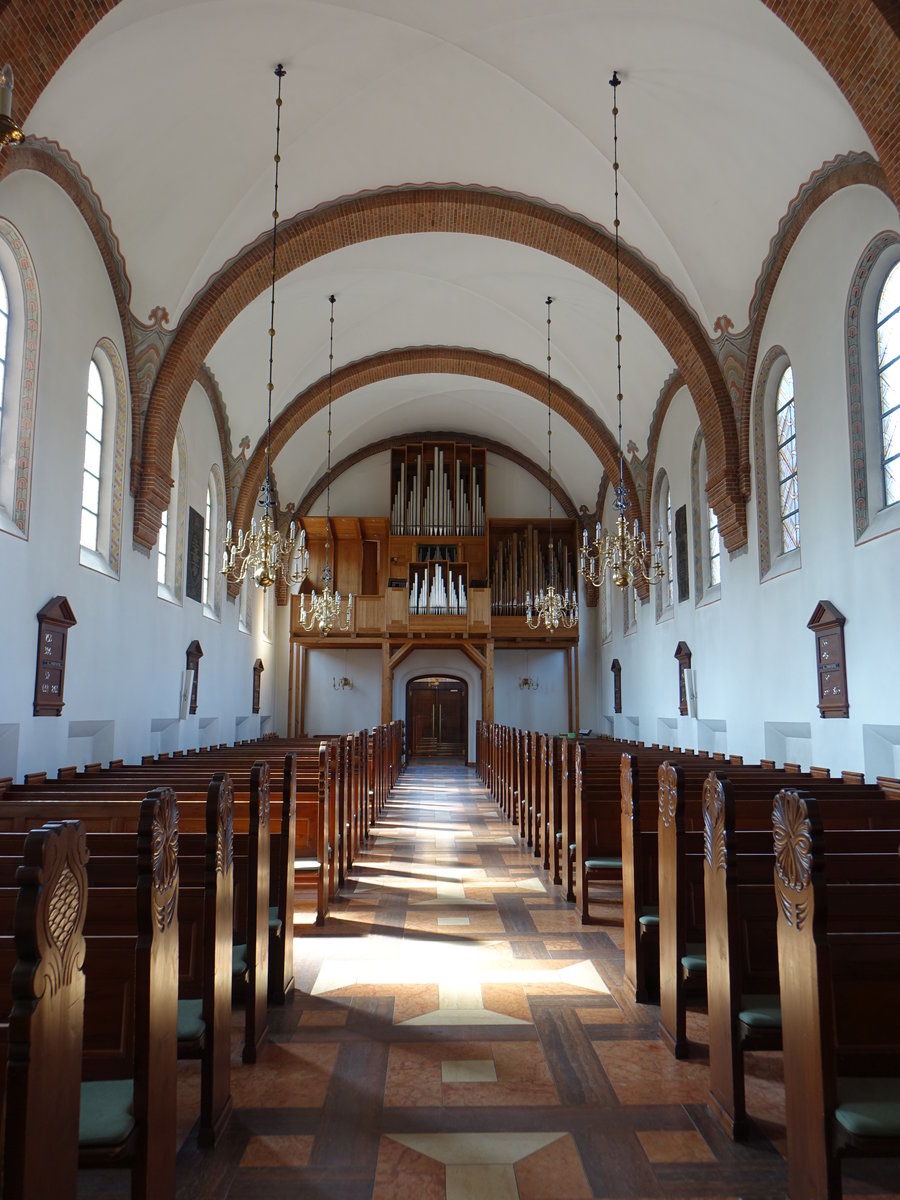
[
  {"x": 264, "y": 553},
  {"x": 623, "y": 552},
  {"x": 551, "y": 608},
  {"x": 324, "y": 609}
]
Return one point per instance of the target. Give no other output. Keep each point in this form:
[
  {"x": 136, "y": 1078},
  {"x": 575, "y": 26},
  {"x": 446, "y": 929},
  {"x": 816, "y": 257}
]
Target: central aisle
[{"x": 456, "y": 1032}]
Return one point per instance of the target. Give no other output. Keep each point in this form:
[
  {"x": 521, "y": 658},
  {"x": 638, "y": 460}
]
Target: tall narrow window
[
  {"x": 888, "y": 338},
  {"x": 4, "y": 334},
  {"x": 787, "y": 463},
  {"x": 162, "y": 548},
  {"x": 207, "y": 530},
  {"x": 93, "y": 456},
  {"x": 668, "y": 539},
  {"x": 714, "y": 549}
]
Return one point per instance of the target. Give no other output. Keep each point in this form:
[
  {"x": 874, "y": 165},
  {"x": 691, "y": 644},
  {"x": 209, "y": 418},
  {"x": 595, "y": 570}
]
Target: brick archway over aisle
[
  {"x": 431, "y": 360},
  {"x": 442, "y": 209},
  {"x": 857, "y": 41}
]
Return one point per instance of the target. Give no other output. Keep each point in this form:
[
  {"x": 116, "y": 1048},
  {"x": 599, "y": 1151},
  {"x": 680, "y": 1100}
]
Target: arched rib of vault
[
  {"x": 430, "y": 360},
  {"x": 442, "y": 209},
  {"x": 501, "y": 449}
]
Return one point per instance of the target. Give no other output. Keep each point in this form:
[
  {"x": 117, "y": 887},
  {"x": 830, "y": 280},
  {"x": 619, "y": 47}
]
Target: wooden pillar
[
  {"x": 567, "y": 650},
  {"x": 576, "y": 689},
  {"x": 487, "y": 682},
  {"x": 301, "y": 690},
  {"x": 387, "y": 683},
  {"x": 291, "y": 655}
]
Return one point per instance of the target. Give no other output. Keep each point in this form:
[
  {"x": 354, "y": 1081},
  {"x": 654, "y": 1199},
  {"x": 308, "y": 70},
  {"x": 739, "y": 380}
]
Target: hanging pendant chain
[
  {"x": 328, "y": 467},
  {"x": 621, "y": 502},
  {"x": 280, "y": 73},
  {"x": 549, "y": 452}
]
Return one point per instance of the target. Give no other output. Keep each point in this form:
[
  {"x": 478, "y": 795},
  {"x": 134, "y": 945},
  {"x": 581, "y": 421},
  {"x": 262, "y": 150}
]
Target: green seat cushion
[
  {"x": 869, "y": 1107},
  {"x": 190, "y": 1020},
  {"x": 649, "y": 918},
  {"x": 603, "y": 864},
  {"x": 694, "y": 962},
  {"x": 559, "y": 835},
  {"x": 760, "y": 1012},
  {"x": 238, "y": 959},
  {"x": 306, "y": 864},
  {"x": 274, "y": 919},
  {"x": 106, "y": 1117}
]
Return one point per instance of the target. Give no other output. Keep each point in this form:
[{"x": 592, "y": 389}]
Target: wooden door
[{"x": 436, "y": 717}]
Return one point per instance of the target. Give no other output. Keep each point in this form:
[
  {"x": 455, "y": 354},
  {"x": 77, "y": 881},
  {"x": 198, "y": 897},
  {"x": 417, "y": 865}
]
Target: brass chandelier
[
  {"x": 264, "y": 553},
  {"x": 622, "y": 553},
  {"x": 9, "y": 130},
  {"x": 324, "y": 610},
  {"x": 551, "y": 608}
]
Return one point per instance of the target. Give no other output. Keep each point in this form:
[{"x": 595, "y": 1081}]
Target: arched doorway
[{"x": 437, "y": 717}]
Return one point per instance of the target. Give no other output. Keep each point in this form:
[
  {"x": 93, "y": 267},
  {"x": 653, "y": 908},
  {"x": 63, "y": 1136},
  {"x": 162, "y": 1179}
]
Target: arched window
[
  {"x": 213, "y": 589},
  {"x": 707, "y": 545},
  {"x": 207, "y": 533},
  {"x": 786, "y": 449},
  {"x": 888, "y": 339},
  {"x": 663, "y": 531},
  {"x": 4, "y": 336},
  {"x": 776, "y": 459},
  {"x": 872, "y": 334},
  {"x": 20, "y": 330},
  {"x": 103, "y": 469},
  {"x": 245, "y": 612},
  {"x": 170, "y": 546},
  {"x": 93, "y": 459}
]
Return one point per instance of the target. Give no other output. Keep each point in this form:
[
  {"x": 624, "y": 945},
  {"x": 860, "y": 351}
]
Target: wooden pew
[
  {"x": 43, "y": 1012},
  {"x": 598, "y": 826},
  {"x": 118, "y": 812},
  {"x": 128, "y": 1097},
  {"x": 741, "y": 943},
  {"x": 840, "y": 993}
]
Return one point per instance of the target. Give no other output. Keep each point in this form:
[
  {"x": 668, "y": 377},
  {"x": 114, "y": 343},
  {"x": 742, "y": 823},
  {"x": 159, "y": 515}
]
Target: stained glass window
[
  {"x": 888, "y": 339},
  {"x": 786, "y": 441}
]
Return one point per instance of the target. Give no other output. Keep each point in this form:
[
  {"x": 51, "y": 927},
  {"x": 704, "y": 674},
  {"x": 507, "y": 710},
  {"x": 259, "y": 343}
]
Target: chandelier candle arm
[
  {"x": 550, "y": 608},
  {"x": 625, "y": 555},
  {"x": 265, "y": 553},
  {"x": 324, "y": 612}
]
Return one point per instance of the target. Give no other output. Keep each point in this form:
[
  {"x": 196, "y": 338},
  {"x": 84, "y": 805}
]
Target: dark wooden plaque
[
  {"x": 683, "y": 654},
  {"x": 192, "y": 656},
  {"x": 54, "y": 621},
  {"x": 681, "y": 554},
  {"x": 194, "y": 583},
  {"x": 831, "y": 667},
  {"x": 258, "y": 669},
  {"x": 616, "y": 668}
]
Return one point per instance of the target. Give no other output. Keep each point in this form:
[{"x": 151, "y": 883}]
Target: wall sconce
[
  {"x": 9, "y": 130},
  {"x": 529, "y": 683},
  {"x": 343, "y": 684}
]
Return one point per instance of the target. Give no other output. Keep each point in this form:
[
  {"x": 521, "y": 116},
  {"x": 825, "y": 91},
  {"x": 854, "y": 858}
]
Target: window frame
[
  {"x": 663, "y": 531},
  {"x": 704, "y": 518},
  {"x": 20, "y": 381},
  {"x": 105, "y": 558},
  {"x": 772, "y": 565},
  {"x": 871, "y": 517},
  {"x": 171, "y": 588}
]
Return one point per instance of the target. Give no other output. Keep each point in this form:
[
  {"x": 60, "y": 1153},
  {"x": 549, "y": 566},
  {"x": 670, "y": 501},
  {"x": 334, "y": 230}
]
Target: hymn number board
[
  {"x": 54, "y": 621},
  {"x": 828, "y": 626}
]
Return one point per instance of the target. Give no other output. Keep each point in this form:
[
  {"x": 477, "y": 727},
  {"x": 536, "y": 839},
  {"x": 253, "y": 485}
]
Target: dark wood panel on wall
[
  {"x": 193, "y": 586},
  {"x": 681, "y": 554}
]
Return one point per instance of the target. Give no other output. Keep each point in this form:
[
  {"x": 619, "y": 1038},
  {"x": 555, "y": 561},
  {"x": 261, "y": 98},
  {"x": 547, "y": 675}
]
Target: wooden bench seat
[{"x": 840, "y": 993}]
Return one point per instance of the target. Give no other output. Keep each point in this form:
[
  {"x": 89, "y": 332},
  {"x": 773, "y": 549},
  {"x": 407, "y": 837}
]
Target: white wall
[
  {"x": 127, "y": 651},
  {"x": 752, "y": 652}
]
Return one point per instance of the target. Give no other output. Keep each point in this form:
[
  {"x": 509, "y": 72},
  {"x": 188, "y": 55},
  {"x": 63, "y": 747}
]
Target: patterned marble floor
[{"x": 456, "y": 1032}]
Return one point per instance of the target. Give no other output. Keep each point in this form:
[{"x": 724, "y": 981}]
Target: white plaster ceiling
[{"x": 167, "y": 105}]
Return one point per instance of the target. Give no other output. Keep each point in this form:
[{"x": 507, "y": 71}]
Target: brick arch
[
  {"x": 501, "y": 449},
  {"x": 431, "y": 360},
  {"x": 443, "y": 209},
  {"x": 47, "y": 158},
  {"x": 824, "y": 184}
]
